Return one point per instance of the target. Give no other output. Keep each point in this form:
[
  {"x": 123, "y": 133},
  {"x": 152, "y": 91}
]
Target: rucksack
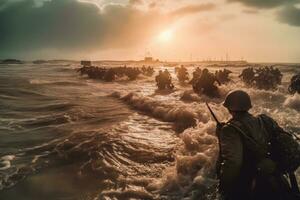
[{"x": 285, "y": 149}]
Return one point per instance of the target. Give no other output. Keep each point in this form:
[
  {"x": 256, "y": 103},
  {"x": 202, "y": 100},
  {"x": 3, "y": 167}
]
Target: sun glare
[{"x": 166, "y": 36}]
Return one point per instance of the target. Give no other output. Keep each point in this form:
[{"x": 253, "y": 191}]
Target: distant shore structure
[
  {"x": 149, "y": 59},
  {"x": 86, "y": 63}
]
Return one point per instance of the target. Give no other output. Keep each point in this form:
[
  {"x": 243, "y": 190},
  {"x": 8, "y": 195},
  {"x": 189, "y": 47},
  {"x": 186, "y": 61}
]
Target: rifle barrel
[{"x": 213, "y": 114}]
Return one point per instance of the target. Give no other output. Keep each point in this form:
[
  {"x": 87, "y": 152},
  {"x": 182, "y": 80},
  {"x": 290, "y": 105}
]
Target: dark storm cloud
[
  {"x": 264, "y": 3},
  {"x": 73, "y": 25},
  {"x": 289, "y": 15}
]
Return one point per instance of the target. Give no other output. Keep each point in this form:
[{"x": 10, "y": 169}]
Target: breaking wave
[
  {"x": 293, "y": 102},
  {"x": 183, "y": 115}
]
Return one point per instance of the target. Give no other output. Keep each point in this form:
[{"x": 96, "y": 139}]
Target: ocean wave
[
  {"x": 194, "y": 165},
  {"x": 183, "y": 115},
  {"x": 53, "y": 82},
  {"x": 293, "y": 102},
  {"x": 5, "y": 162}
]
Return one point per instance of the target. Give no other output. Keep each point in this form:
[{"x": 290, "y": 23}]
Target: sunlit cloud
[{"x": 112, "y": 27}]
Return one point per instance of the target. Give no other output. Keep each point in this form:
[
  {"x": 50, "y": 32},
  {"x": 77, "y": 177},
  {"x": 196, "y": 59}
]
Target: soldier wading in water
[{"x": 246, "y": 169}]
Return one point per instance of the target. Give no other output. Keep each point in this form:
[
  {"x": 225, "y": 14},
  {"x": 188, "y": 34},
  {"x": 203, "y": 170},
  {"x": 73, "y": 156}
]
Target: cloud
[
  {"x": 136, "y": 2},
  {"x": 264, "y": 3},
  {"x": 250, "y": 11},
  {"x": 67, "y": 25},
  {"x": 289, "y": 15},
  {"x": 288, "y": 12},
  {"x": 192, "y": 9}
]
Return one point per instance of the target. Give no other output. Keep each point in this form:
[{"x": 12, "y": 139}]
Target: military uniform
[{"x": 244, "y": 170}]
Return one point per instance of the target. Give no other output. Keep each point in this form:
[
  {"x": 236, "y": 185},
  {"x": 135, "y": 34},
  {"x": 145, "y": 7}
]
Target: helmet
[{"x": 238, "y": 100}]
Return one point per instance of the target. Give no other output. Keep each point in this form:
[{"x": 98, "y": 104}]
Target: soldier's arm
[{"x": 231, "y": 152}]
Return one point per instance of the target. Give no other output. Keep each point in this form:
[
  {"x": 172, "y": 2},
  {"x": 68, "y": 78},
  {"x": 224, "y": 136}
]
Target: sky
[{"x": 173, "y": 30}]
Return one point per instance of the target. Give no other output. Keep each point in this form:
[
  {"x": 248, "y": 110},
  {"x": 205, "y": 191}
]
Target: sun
[{"x": 166, "y": 36}]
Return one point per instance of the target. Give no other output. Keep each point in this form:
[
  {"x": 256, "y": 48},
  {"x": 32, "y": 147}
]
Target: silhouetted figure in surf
[
  {"x": 247, "y": 75},
  {"x": 294, "y": 86},
  {"x": 164, "y": 80},
  {"x": 223, "y": 75},
  {"x": 206, "y": 84},
  {"x": 109, "y": 75},
  {"x": 265, "y": 78},
  {"x": 196, "y": 75},
  {"x": 147, "y": 71},
  {"x": 182, "y": 74},
  {"x": 247, "y": 167}
]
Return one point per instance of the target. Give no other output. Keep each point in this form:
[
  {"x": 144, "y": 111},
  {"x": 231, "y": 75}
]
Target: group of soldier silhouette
[
  {"x": 266, "y": 78},
  {"x": 112, "y": 74},
  {"x": 203, "y": 81}
]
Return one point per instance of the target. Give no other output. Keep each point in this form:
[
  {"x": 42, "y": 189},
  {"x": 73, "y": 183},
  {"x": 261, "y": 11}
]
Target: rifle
[{"x": 213, "y": 114}]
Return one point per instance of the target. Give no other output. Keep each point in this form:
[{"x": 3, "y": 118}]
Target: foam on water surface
[{"x": 121, "y": 140}]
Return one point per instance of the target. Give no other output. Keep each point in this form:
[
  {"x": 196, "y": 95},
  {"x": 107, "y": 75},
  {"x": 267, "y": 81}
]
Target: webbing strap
[{"x": 261, "y": 148}]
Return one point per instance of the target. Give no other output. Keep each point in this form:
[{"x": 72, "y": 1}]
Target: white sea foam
[
  {"x": 195, "y": 162},
  {"x": 293, "y": 102}
]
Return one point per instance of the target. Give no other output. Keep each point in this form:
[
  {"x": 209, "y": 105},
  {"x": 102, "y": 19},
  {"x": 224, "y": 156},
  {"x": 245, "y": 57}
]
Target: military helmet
[{"x": 238, "y": 100}]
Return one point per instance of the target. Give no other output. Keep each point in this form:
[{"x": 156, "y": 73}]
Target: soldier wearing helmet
[{"x": 243, "y": 170}]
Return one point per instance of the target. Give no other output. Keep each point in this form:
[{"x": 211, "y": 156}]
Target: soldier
[
  {"x": 109, "y": 75},
  {"x": 247, "y": 75},
  {"x": 164, "y": 80},
  {"x": 196, "y": 75},
  {"x": 206, "y": 84},
  {"x": 244, "y": 170},
  {"x": 167, "y": 79},
  {"x": 295, "y": 84},
  {"x": 223, "y": 75},
  {"x": 182, "y": 74}
]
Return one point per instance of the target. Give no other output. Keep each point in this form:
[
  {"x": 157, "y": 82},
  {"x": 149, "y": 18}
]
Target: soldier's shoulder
[
  {"x": 268, "y": 121},
  {"x": 229, "y": 127},
  {"x": 265, "y": 117}
]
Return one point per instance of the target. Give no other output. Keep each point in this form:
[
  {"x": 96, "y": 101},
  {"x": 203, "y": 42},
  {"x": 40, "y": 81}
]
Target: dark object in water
[
  {"x": 86, "y": 63},
  {"x": 223, "y": 75},
  {"x": 11, "y": 61},
  {"x": 182, "y": 74},
  {"x": 206, "y": 84},
  {"x": 39, "y": 61},
  {"x": 164, "y": 80},
  {"x": 295, "y": 84},
  {"x": 110, "y": 74},
  {"x": 265, "y": 78}
]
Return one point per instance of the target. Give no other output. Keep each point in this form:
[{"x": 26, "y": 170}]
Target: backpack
[{"x": 285, "y": 149}]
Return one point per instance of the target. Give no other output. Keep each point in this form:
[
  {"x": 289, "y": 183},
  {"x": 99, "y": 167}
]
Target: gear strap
[{"x": 291, "y": 175}]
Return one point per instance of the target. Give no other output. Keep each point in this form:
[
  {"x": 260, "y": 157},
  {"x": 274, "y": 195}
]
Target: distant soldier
[
  {"x": 223, "y": 75},
  {"x": 295, "y": 84},
  {"x": 168, "y": 79},
  {"x": 109, "y": 75},
  {"x": 182, "y": 74},
  {"x": 164, "y": 80},
  {"x": 267, "y": 78},
  {"x": 206, "y": 84},
  {"x": 196, "y": 75},
  {"x": 248, "y": 75},
  {"x": 245, "y": 168}
]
